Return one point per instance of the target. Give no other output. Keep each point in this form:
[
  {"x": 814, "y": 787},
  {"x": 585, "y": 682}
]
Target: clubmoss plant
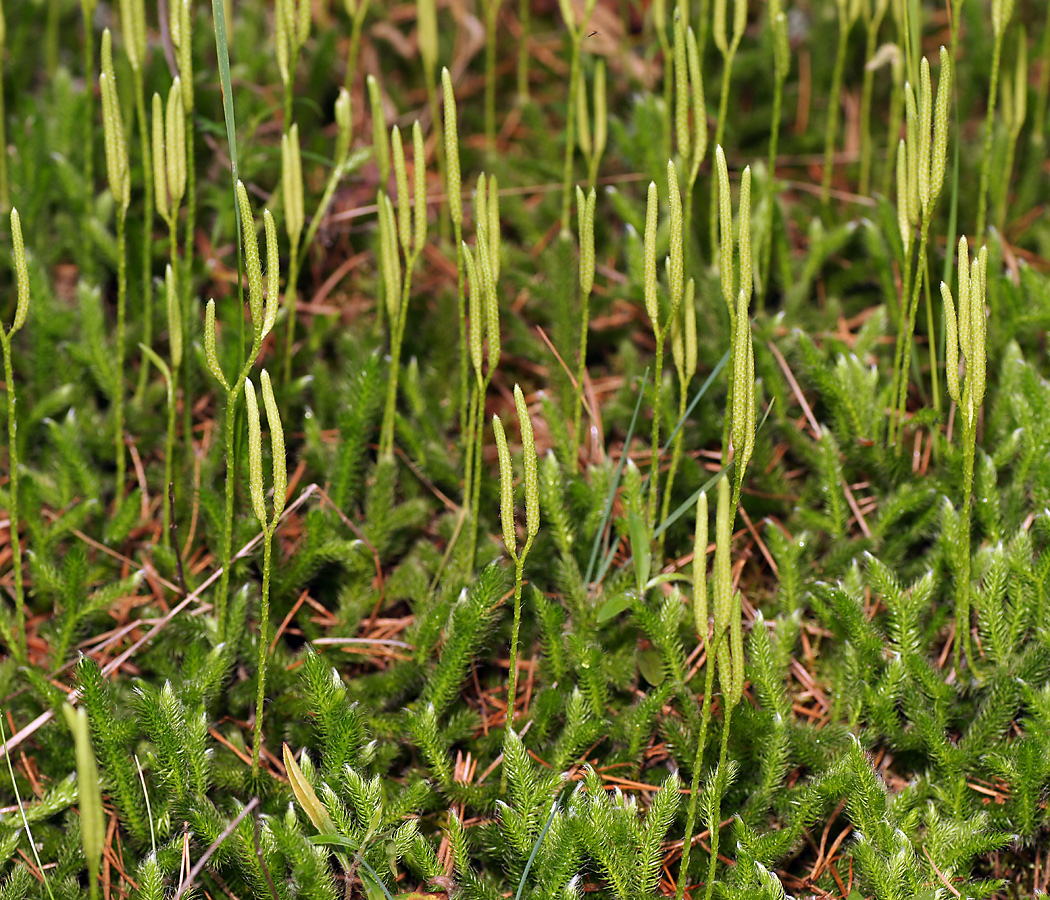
[
  {"x": 781, "y": 68},
  {"x": 1015, "y": 108},
  {"x": 659, "y": 8},
  {"x": 848, "y": 11},
  {"x": 532, "y": 522},
  {"x": 921, "y": 161},
  {"x": 683, "y": 351},
  {"x": 491, "y": 11},
  {"x": 87, "y": 16},
  {"x": 133, "y": 26},
  {"x": 120, "y": 187},
  {"x": 874, "y": 11},
  {"x": 409, "y": 229},
  {"x": 723, "y": 641},
  {"x": 171, "y": 380},
  {"x": 180, "y": 26},
  {"x": 593, "y": 146},
  {"x": 268, "y": 525},
  {"x": 577, "y": 32},
  {"x": 262, "y": 307},
  {"x": 734, "y": 266},
  {"x": 16, "y": 642},
  {"x": 5, "y": 193},
  {"x": 1002, "y": 10},
  {"x": 92, "y": 823},
  {"x": 291, "y": 29},
  {"x": 482, "y": 270},
  {"x": 294, "y": 214},
  {"x": 690, "y": 122},
  {"x": 660, "y": 326},
  {"x": 169, "y": 165},
  {"x": 356, "y": 10},
  {"x": 454, "y": 190},
  {"x": 427, "y": 31},
  {"x": 727, "y": 47},
  {"x": 965, "y": 330},
  {"x": 585, "y": 217}
]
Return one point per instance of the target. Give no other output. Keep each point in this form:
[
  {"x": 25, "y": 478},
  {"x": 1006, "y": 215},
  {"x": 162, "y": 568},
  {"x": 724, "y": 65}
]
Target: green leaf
[
  {"x": 651, "y": 665},
  {"x": 615, "y": 605}
]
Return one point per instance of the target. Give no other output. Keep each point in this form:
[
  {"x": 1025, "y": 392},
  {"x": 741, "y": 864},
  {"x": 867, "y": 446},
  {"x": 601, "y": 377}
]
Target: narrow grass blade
[{"x": 615, "y": 482}]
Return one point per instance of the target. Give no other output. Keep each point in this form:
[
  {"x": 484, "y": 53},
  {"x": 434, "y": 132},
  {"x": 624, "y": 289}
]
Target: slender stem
[
  {"x": 720, "y": 127},
  {"x": 397, "y": 331},
  {"x": 355, "y": 43},
  {"x": 676, "y": 458},
  {"x": 900, "y": 345},
  {"x": 122, "y": 291},
  {"x": 468, "y": 455},
  {"x": 5, "y": 194},
  {"x": 581, "y": 369},
  {"x": 962, "y": 581},
  {"x": 512, "y": 686},
  {"x": 720, "y": 774},
  {"x": 668, "y": 58},
  {"x": 464, "y": 350},
  {"x": 169, "y": 453},
  {"x": 694, "y": 794},
  {"x": 291, "y": 295},
  {"x": 264, "y": 619},
  {"x": 764, "y": 268},
  {"x": 893, "y": 127},
  {"x": 89, "y": 84},
  {"x": 989, "y": 128},
  {"x": 437, "y": 125},
  {"x": 185, "y": 282},
  {"x": 570, "y": 132},
  {"x": 523, "y": 51},
  {"x": 654, "y": 466},
  {"x": 865, "y": 107},
  {"x": 227, "y": 520},
  {"x": 1011, "y": 154},
  {"x": 479, "y": 431},
  {"x": 12, "y": 455},
  {"x": 907, "y": 335},
  {"x": 931, "y": 338},
  {"x": 491, "y": 9},
  {"x": 147, "y": 231},
  {"x": 831, "y": 131}
]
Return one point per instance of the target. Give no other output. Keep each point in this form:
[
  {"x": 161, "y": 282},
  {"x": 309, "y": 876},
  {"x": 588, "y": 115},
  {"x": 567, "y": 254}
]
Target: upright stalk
[
  {"x": 12, "y": 455},
  {"x": 359, "y": 9},
  {"x": 147, "y": 230},
  {"x": 720, "y": 775},
  {"x": 904, "y": 351},
  {"x": 122, "y": 292},
  {"x": 834, "y": 99},
  {"x": 523, "y": 50},
  {"x": 570, "y": 134},
  {"x": 5, "y": 194},
  {"x": 698, "y": 761},
  {"x": 962, "y": 580},
  {"x": 874, "y": 23},
  {"x": 491, "y": 11},
  {"x": 264, "y": 619},
  {"x": 989, "y": 130}
]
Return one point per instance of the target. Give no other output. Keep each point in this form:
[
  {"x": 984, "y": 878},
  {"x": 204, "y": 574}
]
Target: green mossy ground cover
[{"x": 322, "y": 423}]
